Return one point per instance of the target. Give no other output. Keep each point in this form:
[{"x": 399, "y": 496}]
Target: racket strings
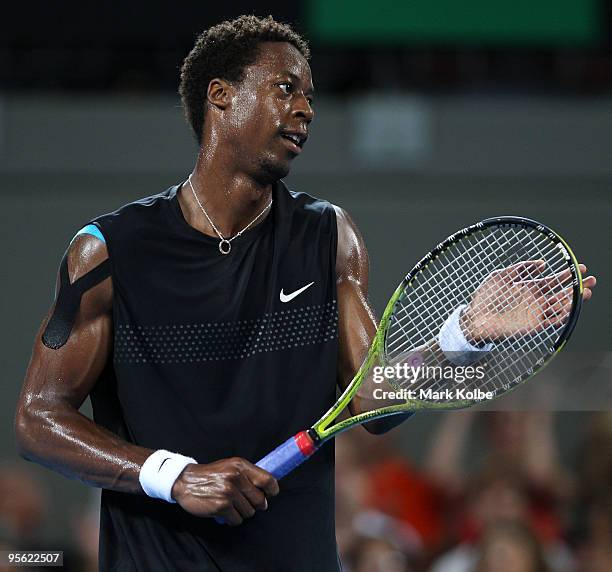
[
  {"x": 451, "y": 280},
  {"x": 503, "y": 299},
  {"x": 516, "y": 346},
  {"x": 454, "y": 280},
  {"x": 410, "y": 310},
  {"x": 437, "y": 267},
  {"x": 440, "y": 263},
  {"x": 439, "y": 273}
]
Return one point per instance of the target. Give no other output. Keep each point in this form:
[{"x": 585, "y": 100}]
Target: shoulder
[
  {"x": 140, "y": 210},
  {"x": 86, "y": 251},
  {"x": 347, "y": 229},
  {"x": 86, "y": 261},
  {"x": 352, "y": 256},
  {"x": 303, "y": 202}
]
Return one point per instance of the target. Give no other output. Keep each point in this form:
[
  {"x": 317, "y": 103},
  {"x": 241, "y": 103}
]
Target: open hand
[{"x": 516, "y": 301}]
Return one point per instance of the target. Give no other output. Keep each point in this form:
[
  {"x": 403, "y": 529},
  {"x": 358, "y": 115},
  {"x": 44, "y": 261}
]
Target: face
[
  {"x": 500, "y": 501},
  {"x": 270, "y": 111},
  {"x": 505, "y": 554}
]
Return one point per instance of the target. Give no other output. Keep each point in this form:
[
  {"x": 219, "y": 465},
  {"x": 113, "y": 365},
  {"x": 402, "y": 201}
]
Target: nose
[{"x": 302, "y": 108}]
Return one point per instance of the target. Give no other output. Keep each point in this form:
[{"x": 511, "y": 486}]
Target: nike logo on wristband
[
  {"x": 284, "y": 298},
  {"x": 162, "y": 463}
]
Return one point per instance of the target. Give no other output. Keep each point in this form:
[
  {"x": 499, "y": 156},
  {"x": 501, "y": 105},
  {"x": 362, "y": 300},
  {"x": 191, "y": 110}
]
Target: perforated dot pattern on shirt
[{"x": 213, "y": 341}]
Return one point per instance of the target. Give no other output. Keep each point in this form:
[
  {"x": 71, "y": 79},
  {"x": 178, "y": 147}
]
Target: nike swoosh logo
[
  {"x": 162, "y": 464},
  {"x": 288, "y": 297}
]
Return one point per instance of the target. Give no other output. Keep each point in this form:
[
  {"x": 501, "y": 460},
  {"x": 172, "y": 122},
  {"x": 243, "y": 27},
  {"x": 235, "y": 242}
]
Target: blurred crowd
[
  {"x": 27, "y": 521},
  {"x": 509, "y": 506},
  {"x": 505, "y": 505}
]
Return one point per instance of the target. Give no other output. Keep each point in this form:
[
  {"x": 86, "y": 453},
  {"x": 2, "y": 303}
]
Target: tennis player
[{"x": 208, "y": 323}]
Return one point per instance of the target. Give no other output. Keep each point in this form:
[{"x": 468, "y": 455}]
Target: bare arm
[
  {"x": 356, "y": 318},
  {"x": 50, "y": 430}
]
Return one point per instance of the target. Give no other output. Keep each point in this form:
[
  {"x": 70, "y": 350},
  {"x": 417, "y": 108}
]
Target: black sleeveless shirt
[{"x": 209, "y": 362}]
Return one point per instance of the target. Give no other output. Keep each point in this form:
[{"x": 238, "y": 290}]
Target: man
[
  {"x": 208, "y": 323},
  {"x": 220, "y": 313}
]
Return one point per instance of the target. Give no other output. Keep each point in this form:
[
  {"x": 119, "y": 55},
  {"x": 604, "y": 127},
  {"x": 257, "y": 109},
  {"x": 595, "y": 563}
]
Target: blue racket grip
[{"x": 286, "y": 457}]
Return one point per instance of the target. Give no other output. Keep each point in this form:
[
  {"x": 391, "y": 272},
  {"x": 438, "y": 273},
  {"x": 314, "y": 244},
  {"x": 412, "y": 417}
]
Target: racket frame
[{"x": 322, "y": 430}]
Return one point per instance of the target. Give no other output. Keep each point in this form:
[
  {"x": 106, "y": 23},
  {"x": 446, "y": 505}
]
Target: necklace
[{"x": 225, "y": 245}]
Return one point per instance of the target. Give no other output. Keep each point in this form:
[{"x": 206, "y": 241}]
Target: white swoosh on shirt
[{"x": 288, "y": 297}]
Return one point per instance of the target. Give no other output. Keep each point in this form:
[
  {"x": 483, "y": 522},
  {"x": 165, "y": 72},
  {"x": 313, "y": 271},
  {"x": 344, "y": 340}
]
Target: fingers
[
  {"x": 588, "y": 284},
  {"x": 261, "y": 479},
  {"x": 559, "y": 305},
  {"x": 229, "y": 490},
  {"x": 555, "y": 321},
  {"x": 525, "y": 270},
  {"x": 587, "y": 289},
  {"x": 252, "y": 486},
  {"x": 560, "y": 296},
  {"x": 240, "y": 501},
  {"x": 243, "y": 505},
  {"x": 545, "y": 285},
  {"x": 557, "y": 313},
  {"x": 549, "y": 283},
  {"x": 229, "y": 515},
  {"x": 255, "y": 496}
]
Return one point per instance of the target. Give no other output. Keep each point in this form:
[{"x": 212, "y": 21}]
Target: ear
[{"x": 219, "y": 93}]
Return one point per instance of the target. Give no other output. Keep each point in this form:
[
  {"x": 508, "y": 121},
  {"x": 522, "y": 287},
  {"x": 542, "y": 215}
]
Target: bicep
[
  {"x": 357, "y": 324},
  {"x": 68, "y": 372},
  {"x": 357, "y": 327}
]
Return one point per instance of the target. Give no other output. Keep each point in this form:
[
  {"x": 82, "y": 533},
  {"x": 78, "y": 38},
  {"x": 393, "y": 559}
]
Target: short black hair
[{"x": 224, "y": 51}]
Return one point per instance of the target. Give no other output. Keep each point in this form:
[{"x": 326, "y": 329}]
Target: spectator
[
  {"x": 510, "y": 547},
  {"x": 23, "y": 507}
]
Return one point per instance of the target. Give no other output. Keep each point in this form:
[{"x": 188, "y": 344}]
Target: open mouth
[{"x": 295, "y": 141}]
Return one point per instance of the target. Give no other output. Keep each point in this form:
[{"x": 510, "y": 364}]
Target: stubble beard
[{"x": 269, "y": 170}]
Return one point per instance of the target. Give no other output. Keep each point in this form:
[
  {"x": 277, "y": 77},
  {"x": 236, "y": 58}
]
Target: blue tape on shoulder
[{"x": 93, "y": 230}]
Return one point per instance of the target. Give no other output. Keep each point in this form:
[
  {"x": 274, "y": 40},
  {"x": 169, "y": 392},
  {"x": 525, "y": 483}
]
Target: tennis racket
[{"x": 515, "y": 288}]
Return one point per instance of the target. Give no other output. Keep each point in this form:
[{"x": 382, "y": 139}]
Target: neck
[{"x": 231, "y": 199}]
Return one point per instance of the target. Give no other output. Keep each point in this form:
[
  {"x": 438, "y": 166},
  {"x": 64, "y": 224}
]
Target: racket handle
[
  {"x": 286, "y": 457},
  {"x": 291, "y": 454}
]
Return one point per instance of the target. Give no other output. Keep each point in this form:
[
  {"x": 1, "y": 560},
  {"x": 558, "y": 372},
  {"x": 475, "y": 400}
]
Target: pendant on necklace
[{"x": 224, "y": 246}]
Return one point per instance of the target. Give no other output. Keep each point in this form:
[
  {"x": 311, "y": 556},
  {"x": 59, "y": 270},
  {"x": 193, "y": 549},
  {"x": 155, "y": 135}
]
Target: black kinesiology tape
[{"x": 68, "y": 301}]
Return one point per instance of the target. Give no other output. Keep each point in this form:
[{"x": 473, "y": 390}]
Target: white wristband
[
  {"x": 159, "y": 471},
  {"x": 454, "y": 344}
]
